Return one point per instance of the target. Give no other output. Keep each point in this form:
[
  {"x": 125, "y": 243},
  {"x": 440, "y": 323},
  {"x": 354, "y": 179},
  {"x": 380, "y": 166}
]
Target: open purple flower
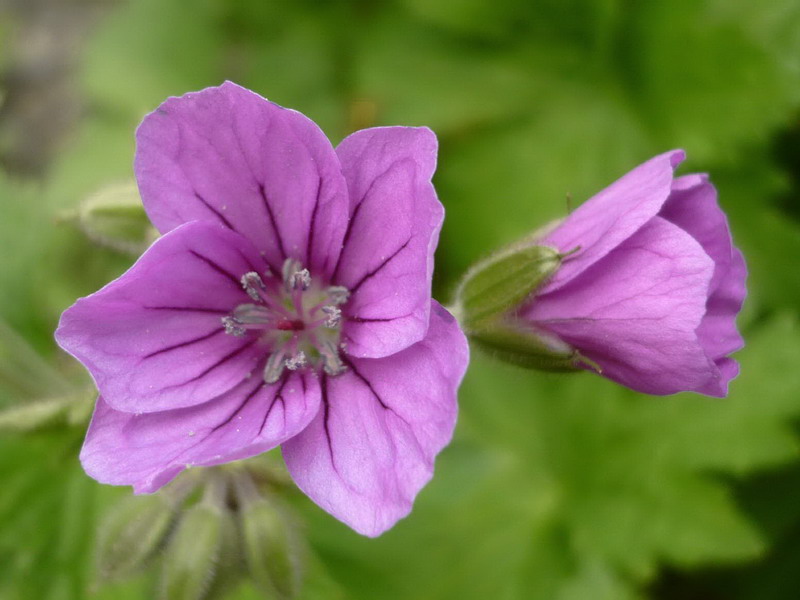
[
  {"x": 652, "y": 292},
  {"x": 288, "y": 302}
]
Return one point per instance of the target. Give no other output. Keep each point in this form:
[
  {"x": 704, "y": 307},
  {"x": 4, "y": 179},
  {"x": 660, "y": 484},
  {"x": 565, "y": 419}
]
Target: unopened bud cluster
[{"x": 204, "y": 533}]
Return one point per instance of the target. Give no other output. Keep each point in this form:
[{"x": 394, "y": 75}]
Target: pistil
[{"x": 298, "y": 321}]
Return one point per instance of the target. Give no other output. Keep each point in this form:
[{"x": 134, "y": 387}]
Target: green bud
[
  {"x": 502, "y": 282},
  {"x": 190, "y": 560},
  {"x": 230, "y": 564},
  {"x": 520, "y": 345},
  {"x": 114, "y": 217},
  {"x": 271, "y": 547},
  {"x": 130, "y": 535}
]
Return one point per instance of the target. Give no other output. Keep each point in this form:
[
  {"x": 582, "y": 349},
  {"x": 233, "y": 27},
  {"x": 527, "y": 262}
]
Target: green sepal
[
  {"x": 519, "y": 344},
  {"x": 190, "y": 560},
  {"x": 130, "y": 535},
  {"x": 503, "y": 281},
  {"x": 114, "y": 217},
  {"x": 271, "y": 545}
]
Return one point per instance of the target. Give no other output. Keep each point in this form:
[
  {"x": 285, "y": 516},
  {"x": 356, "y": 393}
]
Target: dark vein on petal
[
  {"x": 272, "y": 221},
  {"x": 358, "y": 319},
  {"x": 377, "y": 396},
  {"x": 219, "y": 214},
  {"x": 184, "y": 344},
  {"x": 221, "y": 361},
  {"x": 349, "y": 231},
  {"x": 250, "y": 266},
  {"x": 233, "y": 279},
  {"x": 237, "y": 411},
  {"x": 325, "y": 420},
  {"x": 366, "y": 382},
  {"x": 277, "y": 397},
  {"x": 313, "y": 223},
  {"x": 216, "y": 311},
  {"x": 372, "y": 273},
  {"x": 353, "y": 218}
]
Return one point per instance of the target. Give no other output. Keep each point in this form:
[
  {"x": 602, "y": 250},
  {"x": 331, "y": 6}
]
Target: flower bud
[
  {"x": 270, "y": 546},
  {"x": 130, "y": 535},
  {"x": 190, "y": 560},
  {"x": 114, "y": 217},
  {"x": 494, "y": 289},
  {"x": 499, "y": 283}
]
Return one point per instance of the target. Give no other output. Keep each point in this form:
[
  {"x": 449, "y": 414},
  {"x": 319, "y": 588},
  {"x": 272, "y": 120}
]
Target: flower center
[{"x": 298, "y": 319}]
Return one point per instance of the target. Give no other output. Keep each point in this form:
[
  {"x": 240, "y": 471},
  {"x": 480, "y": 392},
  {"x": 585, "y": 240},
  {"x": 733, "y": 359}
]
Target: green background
[{"x": 562, "y": 487}]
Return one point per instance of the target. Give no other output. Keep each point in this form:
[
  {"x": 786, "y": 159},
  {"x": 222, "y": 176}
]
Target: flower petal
[
  {"x": 636, "y": 311},
  {"x": 693, "y": 207},
  {"x": 717, "y": 332},
  {"x": 148, "y": 450},
  {"x": 371, "y": 448},
  {"x": 610, "y": 217},
  {"x": 387, "y": 260},
  {"x": 228, "y": 155},
  {"x": 153, "y": 339}
]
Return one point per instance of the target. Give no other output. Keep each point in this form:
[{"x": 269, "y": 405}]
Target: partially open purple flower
[
  {"x": 288, "y": 302},
  {"x": 652, "y": 292}
]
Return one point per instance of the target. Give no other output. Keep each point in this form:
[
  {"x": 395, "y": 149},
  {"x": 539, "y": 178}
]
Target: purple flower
[
  {"x": 652, "y": 294},
  {"x": 288, "y": 302}
]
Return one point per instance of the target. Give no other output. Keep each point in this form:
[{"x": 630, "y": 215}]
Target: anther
[
  {"x": 295, "y": 277},
  {"x": 331, "y": 361},
  {"x": 338, "y": 294},
  {"x": 251, "y": 313},
  {"x": 301, "y": 280},
  {"x": 232, "y": 326},
  {"x": 274, "y": 367},
  {"x": 334, "y": 316},
  {"x": 297, "y": 361},
  {"x": 252, "y": 282}
]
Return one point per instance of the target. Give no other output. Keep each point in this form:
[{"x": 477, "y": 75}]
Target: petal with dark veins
[
  {"x": 148, "y": 450},
  {"x": 227, "y": 155},
  {"x": 153, "y": 339},
  {"x": 387, "y": 260},
  {"x": 372, "y": 446}
]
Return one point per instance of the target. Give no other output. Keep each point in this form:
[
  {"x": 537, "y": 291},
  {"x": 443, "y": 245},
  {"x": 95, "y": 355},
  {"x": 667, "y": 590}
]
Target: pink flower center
[{"x": 295, "y": 317}]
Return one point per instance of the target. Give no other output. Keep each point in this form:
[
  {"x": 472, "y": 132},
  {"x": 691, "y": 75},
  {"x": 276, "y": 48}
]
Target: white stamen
[
  {"x": 331, "y": 362},
  {"x": 338, "y": 294},
  {"x": 251, "y": 313},
  {"x": 232, "y": 327},
  {"x": 301, "y": 280},
  {"x": 274, "y": 367},
  {"x": 252, "y": 282},
  {"x": 295, "y": 277},
  {"x": 334, "y": 316},
  {"x": 297, "y": 361}
]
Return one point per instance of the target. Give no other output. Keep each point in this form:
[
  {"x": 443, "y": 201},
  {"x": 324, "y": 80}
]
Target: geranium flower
[
  {"x": 287, "y": 303},
  {"x": 651, "y": 286}
]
